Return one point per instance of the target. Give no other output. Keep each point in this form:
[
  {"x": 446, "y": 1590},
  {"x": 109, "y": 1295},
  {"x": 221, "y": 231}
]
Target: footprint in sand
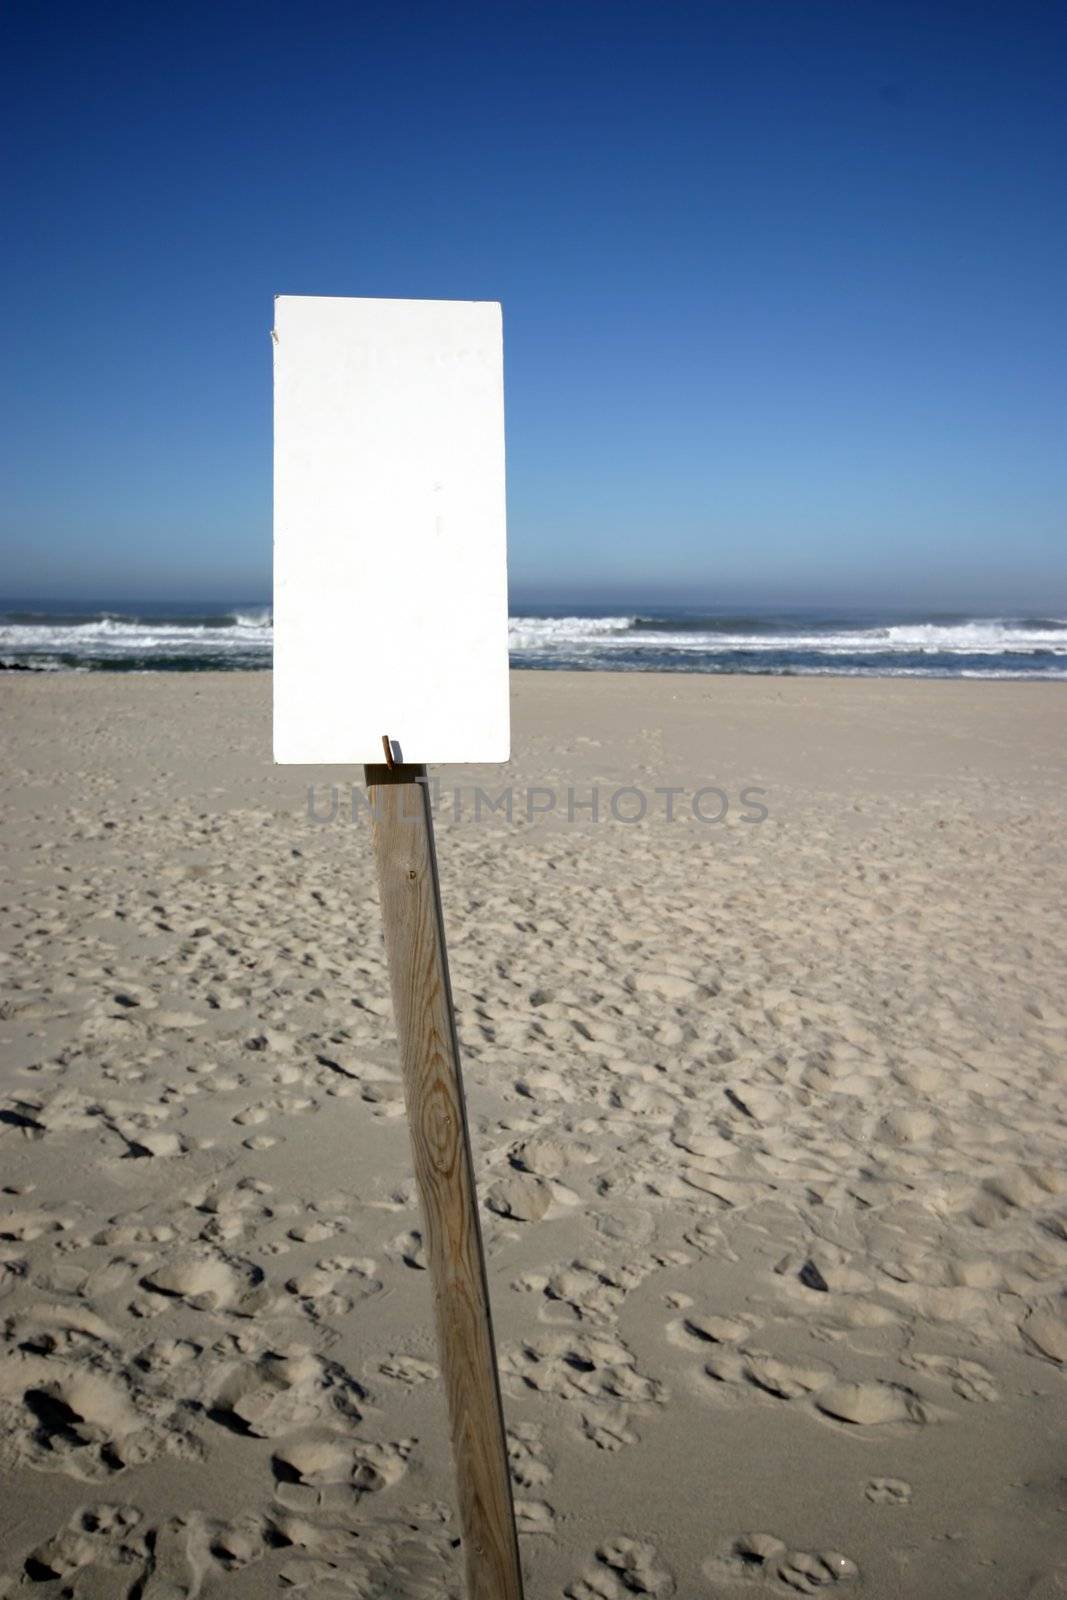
[
  {"x": 586, "y": 1291},
  {"x": 969, "y": 1379},
  {"x": 544, "y": 1086},
  {"x": 546, "y": 1157},
  {"x": 156, "y": 1144},
  {"x": 382, "y": 1090},
  {"x": 870, "y": 1404},
  {"x": 284, "y": 1390},
  {"x": 1045, "y": 1331},
  {"x": 178, "y": 1560},
  {"x": 259, "y": 1141},
  {"x": 182, "y": 1556},
  {"x": 163, "y": 1355},
  {"x": 526, "y": 1456},
  {"x": 331, "y": 1471},
  {"x": 608, "y": 1426},
  {"x": 83, "y": 1423},
  {"x": 579, "y": 1367},
  {"x": 764, "y": 1553},
  {"x": 251, "y": 1116},
  {"x": 696, "y": 1330},
  {"x": 523, "y": 1198},
  {"x": 640, "y": 1101},
  {"x": 598, "y": 1372},
  {"x": 861, "y": 1404},
  {"x": 808, "y": 1570},
  {"x": 888, "y": 1492},
  {"x": 782, "y": 1379},
  {"x": 208, "y": 1280},
  {"x": 248, "y": 1197},
  {"x": 24, "y": 1226},
  {"x": 405, "y": 1558},
  {"x": 623, "y": 1566},
  {"x": 410, "y": 1249},
  {"x": 534, "y": 1516},
  {"x": 121, "y": 1234},
  {"x": 316, "y": 1232},
  {"x": 97, "y": 1537},
  {"x": 318, "y": 1289},
  {"x": 408, "y": 1370}
]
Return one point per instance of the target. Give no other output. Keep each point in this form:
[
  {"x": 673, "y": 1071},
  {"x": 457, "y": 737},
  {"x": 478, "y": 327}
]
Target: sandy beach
[{"x": 768, "y": 1113}]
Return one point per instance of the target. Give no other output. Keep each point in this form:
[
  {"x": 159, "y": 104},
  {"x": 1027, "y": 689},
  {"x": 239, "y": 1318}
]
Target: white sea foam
[
  {"x": 978, "y": 637},
  {"x": 991, "y": 647},
  {"x": 533, "y": 633},
  {"x": 109, "y": 638},
  {"x": 593, "y": 636}
]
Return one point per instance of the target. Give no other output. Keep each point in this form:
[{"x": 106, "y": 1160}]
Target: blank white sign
[{"x": 390, "y": 568}]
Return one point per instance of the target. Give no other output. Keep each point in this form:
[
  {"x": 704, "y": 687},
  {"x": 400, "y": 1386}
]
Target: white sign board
[{"x": 390, "y": 574}]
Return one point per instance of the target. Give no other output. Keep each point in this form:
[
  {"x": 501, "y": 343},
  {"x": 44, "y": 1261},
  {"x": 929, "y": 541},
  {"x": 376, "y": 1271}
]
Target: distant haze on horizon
[
  {"x": 783, "y": 287},
  {"x": 963, "y": 600}
]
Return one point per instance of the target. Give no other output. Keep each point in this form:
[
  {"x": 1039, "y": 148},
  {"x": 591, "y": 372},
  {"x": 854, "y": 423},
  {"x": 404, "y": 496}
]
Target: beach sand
[{"x": 769, "y": 1119}]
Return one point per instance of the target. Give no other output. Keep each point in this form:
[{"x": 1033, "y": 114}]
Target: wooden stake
[{"x": 437, "y": 1116}]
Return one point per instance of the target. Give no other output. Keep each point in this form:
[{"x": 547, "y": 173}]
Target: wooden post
[{"x": 437, "y": 1116}]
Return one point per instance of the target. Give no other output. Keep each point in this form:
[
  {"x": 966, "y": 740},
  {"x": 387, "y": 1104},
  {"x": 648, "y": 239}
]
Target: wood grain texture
[{"x": 437, "y": 1116}]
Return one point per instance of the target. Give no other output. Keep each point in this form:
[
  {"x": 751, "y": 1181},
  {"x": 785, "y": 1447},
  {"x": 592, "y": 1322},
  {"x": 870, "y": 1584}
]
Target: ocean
[{"x": 155, "y": 637}]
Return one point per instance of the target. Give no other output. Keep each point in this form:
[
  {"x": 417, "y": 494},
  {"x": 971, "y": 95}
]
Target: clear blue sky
[{"x": 783, "y": 282}]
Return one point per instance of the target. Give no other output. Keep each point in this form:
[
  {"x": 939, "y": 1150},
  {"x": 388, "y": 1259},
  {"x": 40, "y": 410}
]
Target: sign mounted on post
[
  {"x": 390, "y": 639},
  {"x": 390, "y": 567}
]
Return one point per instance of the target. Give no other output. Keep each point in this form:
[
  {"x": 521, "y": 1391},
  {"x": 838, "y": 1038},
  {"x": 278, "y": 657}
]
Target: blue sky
[{"x": 783, "y": 283}]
